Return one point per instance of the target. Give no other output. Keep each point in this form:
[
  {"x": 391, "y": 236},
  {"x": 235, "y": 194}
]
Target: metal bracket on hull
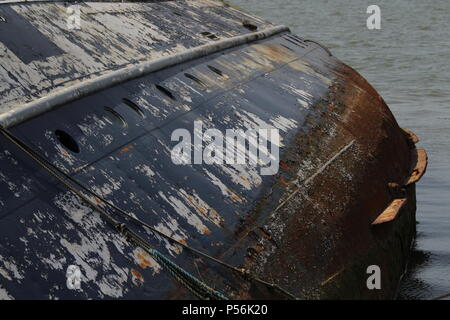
[
  {"x": 421, "y": 158},
  {"x": 411, "y": 136},
  {"x": 391, "y": 212},
  {"x": 420, "y": 167}
]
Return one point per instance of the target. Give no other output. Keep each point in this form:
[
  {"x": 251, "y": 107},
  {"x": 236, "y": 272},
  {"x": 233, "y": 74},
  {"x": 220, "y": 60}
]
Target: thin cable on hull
[
  {"x": 175, "y": 270},
  {"x": 194, "y": 285}
]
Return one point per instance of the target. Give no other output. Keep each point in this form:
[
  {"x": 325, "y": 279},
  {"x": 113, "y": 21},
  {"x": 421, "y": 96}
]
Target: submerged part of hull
[{"x": 308, "y": 229}]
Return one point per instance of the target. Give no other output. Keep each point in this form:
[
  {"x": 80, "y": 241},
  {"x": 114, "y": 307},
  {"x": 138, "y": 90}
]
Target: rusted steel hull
[
  {"x": 324, "y": 252},
  {"x": 342, "y": 200}
]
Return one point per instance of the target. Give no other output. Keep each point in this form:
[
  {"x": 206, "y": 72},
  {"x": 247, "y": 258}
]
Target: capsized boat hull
[{"x": 336, "y": 206}]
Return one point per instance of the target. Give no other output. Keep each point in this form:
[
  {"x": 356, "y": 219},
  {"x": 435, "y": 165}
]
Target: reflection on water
[
  {"x": 407, "y": 61},
  {"x": 412, "y": 287}
]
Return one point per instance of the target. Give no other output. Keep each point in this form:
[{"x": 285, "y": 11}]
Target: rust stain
[
  {"x": 145, "y": 261},
  {"x": 265, "y": 234},
  {"x": 208, "y": 212},
  {"x": 332, "y": 107},
  {"x": 235, "y": 197},
  {"x": 282, "y": 181},
  {"x": 126, "y": 149},
  {"x": 138, "y": 278},
  {"x": 178, "y": 250},
  {"x": 203, "y": 211},
  {"x": 284, "y": 166},
  {"x": 396, "y": 190}
]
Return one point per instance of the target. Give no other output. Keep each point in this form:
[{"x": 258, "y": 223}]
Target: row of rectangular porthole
[
  {"x": 115, "y": 117},
  {"x": 69, "y": 142}
]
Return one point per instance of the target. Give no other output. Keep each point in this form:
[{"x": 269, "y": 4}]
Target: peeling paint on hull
[{"x": 341, "y": 147}]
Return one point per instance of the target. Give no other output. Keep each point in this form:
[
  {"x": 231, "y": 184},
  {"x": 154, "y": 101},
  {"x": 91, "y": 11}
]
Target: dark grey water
[{"x": 408, "y": 62}]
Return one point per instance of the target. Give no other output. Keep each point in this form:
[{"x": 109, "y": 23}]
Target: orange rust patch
[
  {"x": 264, "y": 233},
  {"x": 200, "y": 209},
  {"x": 177, "y": 249},
  {"x": 126, "y": 149},
  {"x": 284, "y": 166},
  {"x": 138, "y": 279},
  {"x": 332, "y": 107},
  {"x": 145, "y": 261},
  {"x": 235, "y": 197},
  {"x": 208, "y": 212},
  {"x": 282, "y": 181},
  {"x": 258, "y": 248}
]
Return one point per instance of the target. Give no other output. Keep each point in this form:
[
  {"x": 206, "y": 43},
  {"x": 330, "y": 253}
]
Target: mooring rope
[{"x": 194, "y": 285}]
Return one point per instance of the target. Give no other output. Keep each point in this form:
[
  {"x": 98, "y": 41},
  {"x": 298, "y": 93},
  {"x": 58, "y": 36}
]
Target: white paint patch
[
  {"x": 245, "y": 176},
  {"x": 108, "y": 187},
  {"x": 144, "y": 260},
  {"x": 91, "y": 251},
  {"x": 54, "y": 262},
  {"x": 145, "y": 169},
  {"x": 200, "y": 206},
  {"x": 173, "y": 230},
  {"x": 283, "y": 123},
  {"x": 305, "y": 98},
  {"x": 223, "y": 188},
  {"x": 303, "y": 103},
  {"x": 4, "y": 295},
  {"x": 9, "y": 269},
  {"x": 181, "y": 208}
]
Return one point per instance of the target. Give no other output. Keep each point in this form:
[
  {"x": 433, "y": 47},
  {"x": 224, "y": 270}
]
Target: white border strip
[{"x": 66, "y": 95}]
